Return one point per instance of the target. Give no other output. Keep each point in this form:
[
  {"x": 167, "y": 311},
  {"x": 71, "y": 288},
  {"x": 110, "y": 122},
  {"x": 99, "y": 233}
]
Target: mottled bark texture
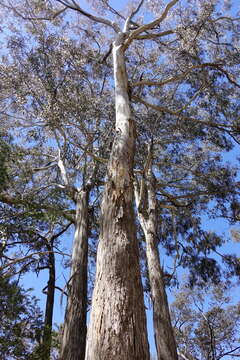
[
  {"x": 117, "y": 328},
  {"x": 147, "y": 210},
  {"x": 75, "y": 329}
]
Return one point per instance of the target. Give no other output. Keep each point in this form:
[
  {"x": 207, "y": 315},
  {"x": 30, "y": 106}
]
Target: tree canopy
[{"x": 150, "y": 167}]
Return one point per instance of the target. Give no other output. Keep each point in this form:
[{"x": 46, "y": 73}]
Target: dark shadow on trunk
[{"x": 44, "y": 349}]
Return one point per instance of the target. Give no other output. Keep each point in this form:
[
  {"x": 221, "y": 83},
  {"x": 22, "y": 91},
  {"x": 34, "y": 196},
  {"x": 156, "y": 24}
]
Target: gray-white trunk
[
  {"x": 74, "y": 335},
  {"x": 117, "y": 328},
  {"x": 163, "y": 331}
]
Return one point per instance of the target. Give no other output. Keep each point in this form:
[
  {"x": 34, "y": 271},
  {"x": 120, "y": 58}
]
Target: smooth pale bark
[
  {"x": 117, "y": 328},
  {"x": 163, "y": 331},
  {"x": 75, "y": 328}
]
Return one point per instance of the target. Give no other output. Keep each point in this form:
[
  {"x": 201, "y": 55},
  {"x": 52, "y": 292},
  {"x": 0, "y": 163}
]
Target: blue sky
[{"x": 38, "y": 283}]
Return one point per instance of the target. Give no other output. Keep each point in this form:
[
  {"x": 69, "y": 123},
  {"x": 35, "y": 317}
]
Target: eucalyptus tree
[
  {"x": 189, "y": 78},
  {"x": 35, "y": 252},
  {"x": 45, "y": 346},
  {"x": 78, "y": 164},
  {"x": 146, "y": 202},
  {"x": 192, "y": 59},
  {"x": 172, "y": 191},
  {"x": 206, "y": 322},
  {"x": 55, "y": 171},
  {"x": 31, "y": 239}
]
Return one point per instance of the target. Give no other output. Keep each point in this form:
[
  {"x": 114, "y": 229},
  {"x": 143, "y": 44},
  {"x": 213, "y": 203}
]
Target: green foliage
[
  {"x": 206, "y": 322},
  {"x": 20, "y": 321},
  {"x": 59, "y": 90},
  {"x": 4, "y": 156}
]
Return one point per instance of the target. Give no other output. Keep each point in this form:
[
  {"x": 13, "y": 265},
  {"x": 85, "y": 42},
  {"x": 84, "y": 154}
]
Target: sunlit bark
[
  {"x": 117, "y": 327},
  {"x": 147, "y": 212},
  {"x": 74, "y": 335}
]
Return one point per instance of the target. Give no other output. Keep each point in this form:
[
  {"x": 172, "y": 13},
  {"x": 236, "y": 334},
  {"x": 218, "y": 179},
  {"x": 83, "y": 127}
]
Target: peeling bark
[
  {"x": 75, "y": 328},
  {"x": 117, "y": 327},
  {"x": 163, "y": 331}
]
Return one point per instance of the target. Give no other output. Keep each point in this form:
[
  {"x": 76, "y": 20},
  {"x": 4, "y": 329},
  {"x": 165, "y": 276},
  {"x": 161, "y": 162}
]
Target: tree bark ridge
[
  {"x": 117, "y": 327},
  {"x": 75, "y": 328},
  {"x": 147, "y": 211}
]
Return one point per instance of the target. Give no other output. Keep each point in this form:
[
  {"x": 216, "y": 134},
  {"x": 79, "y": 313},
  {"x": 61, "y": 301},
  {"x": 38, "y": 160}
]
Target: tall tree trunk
[
  {"x": 163, "y": 331},
  {"x": 45, "y": 346},
  {"x": 117, "y": 328},
  {"x": 75, "y": 328}
]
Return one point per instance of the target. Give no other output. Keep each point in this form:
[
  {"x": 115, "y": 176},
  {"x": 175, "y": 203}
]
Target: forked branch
[
  {"x": 150, "y": 25},
  {"x": 74, "y": 6}
]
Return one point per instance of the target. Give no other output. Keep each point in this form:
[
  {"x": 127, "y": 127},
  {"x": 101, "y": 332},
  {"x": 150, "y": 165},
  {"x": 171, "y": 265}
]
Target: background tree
[
  {"x": 41, "y": 68},
  {"x": 206, "y": 322},
  {"x": 21, "y": 321}
]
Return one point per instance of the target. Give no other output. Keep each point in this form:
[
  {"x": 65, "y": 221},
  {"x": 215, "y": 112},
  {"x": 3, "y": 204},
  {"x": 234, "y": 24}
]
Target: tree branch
[
  {"x": 50, "y": 18},
  {"x": 137, "y": 9},
  {"x": 49, "y": 166},
  {"x": 129, "y": 19},
  {"x": 6, "y": 274},
  {"x": 150, "y": 25},
  {"x": 174, "y": 113},
  {"x": 184, "y": 356},
  {"x": 13, "y": 201},
  {"x": 61, "y": 290},
  {"x": 75, "y": 6},
  {"x": 15, "y": 261},
  {"x": 226, "y": 18},
  {"x": 191, "y": 99},
  {"x": 55, "y": 236},
  {"x": 115, "y": 12},
  {"x": 229, "y": 353},
  {"x": 173, "y": 199},
  {"x": 155, "y": 35},
  {"x": 106, "y": 55},
  {"x": 181, "y": 77}
]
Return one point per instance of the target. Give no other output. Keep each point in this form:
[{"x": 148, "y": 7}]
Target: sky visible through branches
[{"x": 219, "y": 226}]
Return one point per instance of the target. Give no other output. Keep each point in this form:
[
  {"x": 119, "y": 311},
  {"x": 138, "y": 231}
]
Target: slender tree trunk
[
  {"x": 163, "y": 331},
  {"x": 117, "y": 328},
  {"x": 75, "y": 328},
  {"x": 47, "y": 332}
]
